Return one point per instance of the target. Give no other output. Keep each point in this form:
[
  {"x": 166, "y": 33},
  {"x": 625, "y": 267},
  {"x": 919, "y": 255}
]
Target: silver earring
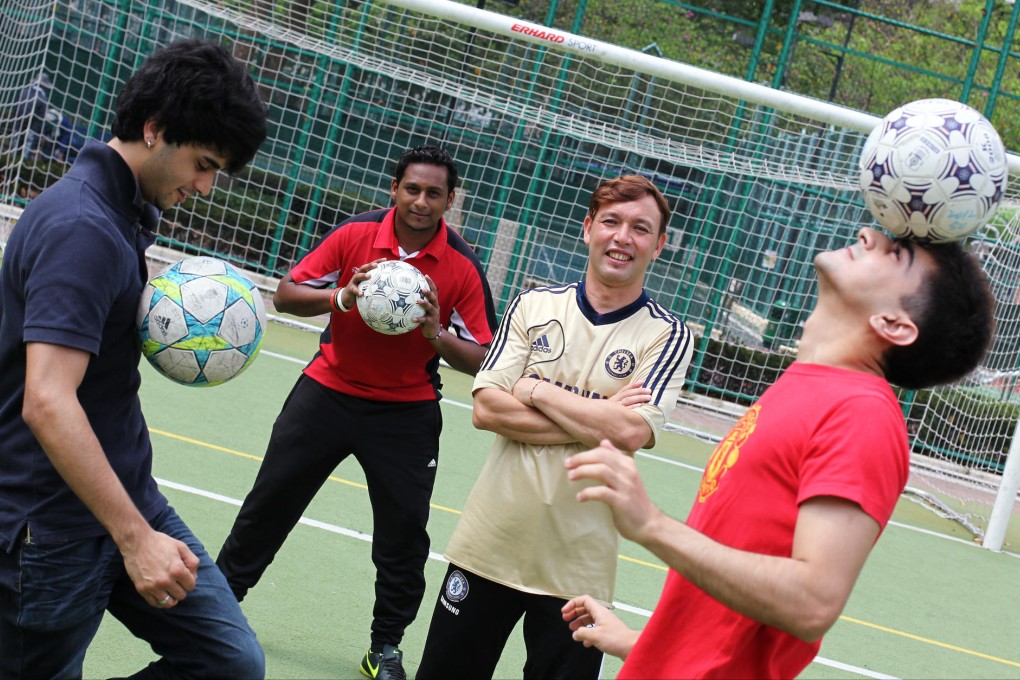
[{"x": 148, "y": 143}]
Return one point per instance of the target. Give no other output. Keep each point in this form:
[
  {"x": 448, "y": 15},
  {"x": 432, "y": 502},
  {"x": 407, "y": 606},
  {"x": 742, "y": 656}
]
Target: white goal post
[{"x": 814, "y": 109}]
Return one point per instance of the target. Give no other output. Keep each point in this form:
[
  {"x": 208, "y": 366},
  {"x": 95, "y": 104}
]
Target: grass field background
[{"x": 929, "y": 604}]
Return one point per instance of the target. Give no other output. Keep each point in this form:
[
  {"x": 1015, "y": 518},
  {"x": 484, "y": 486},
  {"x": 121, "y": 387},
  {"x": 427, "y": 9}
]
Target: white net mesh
[{"x": 535, "y": 118}]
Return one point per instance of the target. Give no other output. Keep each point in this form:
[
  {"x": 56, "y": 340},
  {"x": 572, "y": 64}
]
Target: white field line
[{"x": 361, "y": 536}]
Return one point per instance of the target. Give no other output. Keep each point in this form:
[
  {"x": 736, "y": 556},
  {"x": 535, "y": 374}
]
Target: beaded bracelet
[{"x": 531, "y": 394}]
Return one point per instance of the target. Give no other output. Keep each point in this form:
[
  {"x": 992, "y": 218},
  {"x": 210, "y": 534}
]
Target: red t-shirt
[
  {"x": 356, "y": 360},
  {"x": 818, "y": 431}
]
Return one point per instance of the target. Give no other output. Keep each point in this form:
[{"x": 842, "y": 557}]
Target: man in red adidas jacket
[{"x": 372, "y": 395}]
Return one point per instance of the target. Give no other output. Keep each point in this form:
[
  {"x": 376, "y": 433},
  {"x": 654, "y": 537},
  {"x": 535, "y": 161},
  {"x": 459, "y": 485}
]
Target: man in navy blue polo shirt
[{"x": 83, "y": 527}]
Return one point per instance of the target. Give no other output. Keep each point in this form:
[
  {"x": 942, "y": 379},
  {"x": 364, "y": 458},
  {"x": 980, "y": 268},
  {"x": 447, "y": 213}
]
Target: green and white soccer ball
[
  {"x": 389, "y": 300},
  {"x": 201, "y": 322}
]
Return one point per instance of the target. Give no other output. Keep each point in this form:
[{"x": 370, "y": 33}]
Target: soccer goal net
[{"x": 760, "y": 180}]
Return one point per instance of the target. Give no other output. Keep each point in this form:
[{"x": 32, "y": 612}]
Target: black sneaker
[{"x": 384, "y": 665}]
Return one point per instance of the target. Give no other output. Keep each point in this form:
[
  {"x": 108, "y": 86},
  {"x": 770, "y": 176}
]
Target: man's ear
[
  {"x": 896, "y": 329},
  {"x": 662, "y": 244},
  {"x": 151, "y": 129}
]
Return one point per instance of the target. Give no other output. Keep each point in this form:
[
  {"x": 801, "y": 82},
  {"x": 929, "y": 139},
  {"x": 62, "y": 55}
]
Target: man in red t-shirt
[
  {"x": 795, "y": 496},
  {"x": 372, "y": 395}
]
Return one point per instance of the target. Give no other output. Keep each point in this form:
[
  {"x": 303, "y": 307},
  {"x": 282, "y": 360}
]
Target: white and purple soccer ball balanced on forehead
[{"x": 934, "y": 170}]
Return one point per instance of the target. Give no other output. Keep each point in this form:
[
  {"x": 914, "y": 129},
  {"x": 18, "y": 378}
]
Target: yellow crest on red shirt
[{"x": 727, "y": 452}]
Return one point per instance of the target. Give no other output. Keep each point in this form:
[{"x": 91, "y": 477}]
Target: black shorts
[{"x": 473, "y": 619}]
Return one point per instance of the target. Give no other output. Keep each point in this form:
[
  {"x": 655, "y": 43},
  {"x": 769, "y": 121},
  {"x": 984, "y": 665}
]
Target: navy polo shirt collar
[{"x": 102, "y": 167}]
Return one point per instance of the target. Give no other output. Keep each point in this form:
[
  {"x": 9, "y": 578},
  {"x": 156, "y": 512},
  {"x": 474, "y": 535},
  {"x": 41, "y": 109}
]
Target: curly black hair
[{"x": 197, "y": 93}]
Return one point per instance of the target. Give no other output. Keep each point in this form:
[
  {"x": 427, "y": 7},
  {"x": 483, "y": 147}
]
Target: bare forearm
[
  {"x": 162, "y": 569},
  {"x": 777, "y": 591},
  {"x": 68, "y": 440},
  {"x": 301, "y": 300},
  {"x": 499, "y": 412},
  {"x": 462, "y": 355},
  {"x": 586, "y": 420},
  {"x": 802, "y": 594}
]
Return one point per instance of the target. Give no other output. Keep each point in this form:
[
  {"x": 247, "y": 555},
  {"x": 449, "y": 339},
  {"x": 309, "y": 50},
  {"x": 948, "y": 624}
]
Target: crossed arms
[{"x": 540, "y": 413}]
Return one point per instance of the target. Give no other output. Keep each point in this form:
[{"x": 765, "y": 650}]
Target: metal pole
[
  {"x": 789, "y": 46},
  {"x": 842, "y": 55},
  {"x": 1000, "y": 67},
  {"x": 975, "y": 56}
]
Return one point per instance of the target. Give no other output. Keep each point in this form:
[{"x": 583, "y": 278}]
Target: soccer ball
[
  {"x": 933, "y": 169},
  {"x": 389, "y": 299},
  {"x": 200, "y": 321}
]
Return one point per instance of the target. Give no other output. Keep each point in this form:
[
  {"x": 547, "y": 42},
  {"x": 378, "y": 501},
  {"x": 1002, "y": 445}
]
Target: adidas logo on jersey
[
  {"x": 541, "y": 345},
  {"x": 432, "y": 463}
]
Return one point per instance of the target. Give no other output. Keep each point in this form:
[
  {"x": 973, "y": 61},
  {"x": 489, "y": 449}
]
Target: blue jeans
[{"x": 52, "y": 598}]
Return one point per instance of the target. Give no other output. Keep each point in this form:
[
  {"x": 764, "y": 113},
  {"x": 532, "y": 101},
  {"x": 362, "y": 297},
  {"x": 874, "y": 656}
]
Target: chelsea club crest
[
  {"x": 456, "y": 587},
  {"x": 620, "y": 363}
]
